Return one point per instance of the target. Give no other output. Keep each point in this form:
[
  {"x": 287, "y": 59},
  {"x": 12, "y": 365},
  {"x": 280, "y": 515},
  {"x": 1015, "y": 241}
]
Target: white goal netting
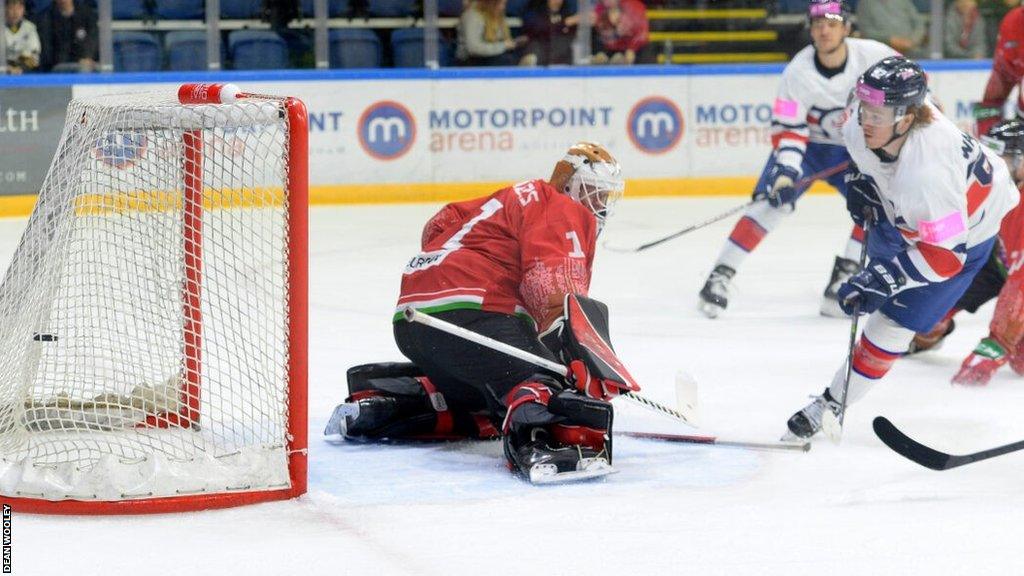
[{"x": 144, "y": 318}]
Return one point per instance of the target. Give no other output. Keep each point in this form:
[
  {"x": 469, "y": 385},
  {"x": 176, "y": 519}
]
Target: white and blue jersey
[{"x": 944, "y": 199}]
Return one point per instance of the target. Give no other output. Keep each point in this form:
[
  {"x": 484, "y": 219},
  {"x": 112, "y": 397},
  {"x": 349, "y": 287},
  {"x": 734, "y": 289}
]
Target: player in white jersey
[
  {"x": 934, "y": 199},
  {"x": 806, "y": 117}
]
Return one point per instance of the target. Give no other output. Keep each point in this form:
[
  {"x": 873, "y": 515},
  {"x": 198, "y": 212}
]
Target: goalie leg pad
[{"x": 396, "y": 401}]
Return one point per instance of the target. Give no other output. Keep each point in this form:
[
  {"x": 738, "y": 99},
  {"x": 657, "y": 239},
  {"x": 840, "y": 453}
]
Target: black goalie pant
[{"x": 470, "y": 376}]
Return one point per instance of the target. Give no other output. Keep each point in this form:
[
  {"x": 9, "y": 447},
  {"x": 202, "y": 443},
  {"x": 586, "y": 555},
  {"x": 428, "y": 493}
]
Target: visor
[{"x": 876, "y": 116}]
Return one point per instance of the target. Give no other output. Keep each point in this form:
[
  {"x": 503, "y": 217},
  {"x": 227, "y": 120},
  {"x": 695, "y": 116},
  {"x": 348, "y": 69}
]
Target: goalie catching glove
[{"x": 580, "y": 340}]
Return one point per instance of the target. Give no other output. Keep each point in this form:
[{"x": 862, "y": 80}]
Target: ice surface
[{"x": 453, "y": 509}]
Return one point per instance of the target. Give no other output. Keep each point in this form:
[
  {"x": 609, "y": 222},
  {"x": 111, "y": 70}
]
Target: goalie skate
[{"x": 586, "y": 468}]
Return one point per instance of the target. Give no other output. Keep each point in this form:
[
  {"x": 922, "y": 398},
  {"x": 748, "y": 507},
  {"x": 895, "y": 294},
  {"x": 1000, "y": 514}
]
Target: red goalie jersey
[{"x": 517, "y": 251}]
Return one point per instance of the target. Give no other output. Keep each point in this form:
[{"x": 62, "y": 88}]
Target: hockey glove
[
  {"x": 590, "y": 385},
  {"x": 983, "y": 362},
  {"x": 986, "y": 115},
  {"x": 782, "y": 190},
  {"x": 871, "y": 287},
  {"x": 862, "y": 200}
]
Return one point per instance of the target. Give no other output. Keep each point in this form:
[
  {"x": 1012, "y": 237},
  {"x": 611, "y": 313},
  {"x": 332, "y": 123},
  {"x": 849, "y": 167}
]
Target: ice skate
[
  {"x": 842, "y": 270},
  {"x": 714, "y": 296},
  {"x": 543, "y": 463},
  {"x": 807, "y": 422}
]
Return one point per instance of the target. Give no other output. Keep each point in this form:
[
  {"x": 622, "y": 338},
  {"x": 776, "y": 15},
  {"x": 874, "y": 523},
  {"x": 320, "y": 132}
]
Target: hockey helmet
[
  {"x": 591, "y": 176},
  {"x": 1007, "y": 140},
  {"x": 831, "y": 9},
  {"x": 894, "y": 82}
]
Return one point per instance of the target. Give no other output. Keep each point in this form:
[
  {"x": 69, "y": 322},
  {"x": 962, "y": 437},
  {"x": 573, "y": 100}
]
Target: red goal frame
[{"x": 297, "y": 194}]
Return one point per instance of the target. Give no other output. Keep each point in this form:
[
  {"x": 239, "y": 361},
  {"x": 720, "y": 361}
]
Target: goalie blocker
[{"x": 554, "y": 428}]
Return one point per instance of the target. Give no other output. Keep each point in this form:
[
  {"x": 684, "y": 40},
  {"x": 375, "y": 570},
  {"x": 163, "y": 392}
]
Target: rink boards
[{"x": 418, "y": 135}]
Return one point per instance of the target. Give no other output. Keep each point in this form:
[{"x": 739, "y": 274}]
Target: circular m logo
[
  {"x": 655, "y": 125},
  {"x": 386, "y": 130}
]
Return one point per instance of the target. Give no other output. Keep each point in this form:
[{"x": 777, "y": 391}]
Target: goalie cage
[{"x": 153, "y": 319}]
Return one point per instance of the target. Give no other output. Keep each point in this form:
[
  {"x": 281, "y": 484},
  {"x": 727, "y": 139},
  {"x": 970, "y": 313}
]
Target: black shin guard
[{"x": 397, "y": 401}]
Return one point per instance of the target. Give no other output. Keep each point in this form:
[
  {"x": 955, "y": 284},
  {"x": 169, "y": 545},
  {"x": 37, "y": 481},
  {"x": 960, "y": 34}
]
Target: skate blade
[
  {"x": 335, "y": 428},
  {"x": 710, "y": 310},
  {"x": 790, "y": 437},
  {"x": 589, "y": 468}
]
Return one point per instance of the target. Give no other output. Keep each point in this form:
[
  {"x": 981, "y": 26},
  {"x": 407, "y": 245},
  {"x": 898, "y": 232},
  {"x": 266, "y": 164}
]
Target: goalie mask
[{"x": 590, "y": 176}]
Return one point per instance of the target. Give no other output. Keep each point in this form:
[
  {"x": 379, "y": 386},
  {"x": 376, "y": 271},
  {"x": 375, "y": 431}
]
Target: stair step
[
  {"x": 725, "y": 57},
  {"x": 717, "y": 36}
]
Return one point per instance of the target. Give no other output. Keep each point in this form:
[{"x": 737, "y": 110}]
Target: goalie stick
[
  {"x": 412, "y": 315},
  {"x": 828, "y": 172},
  {"x": 717, "y": 441},
  {"x": 914, "y": 451},
  {"x": 684, "y": 415}
]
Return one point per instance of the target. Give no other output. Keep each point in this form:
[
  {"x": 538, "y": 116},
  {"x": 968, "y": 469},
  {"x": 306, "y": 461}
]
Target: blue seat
[
  {"x": 335, "y": 8},
  {"x": 136, "y": 52},
  {"x": 180, "y": 9},
  {"x": 130, "y": 10},
  {"x": 516, "y": 8},
  {"x": 354, "y": 48},
  {"x": 392, "y": 8},
  {"x": 407, "y": 47},
  {"x": 924, "y": 6},
  {"x": 257, "y": 50},
  {"x": 240, "y": 8},
  {"x": 451, "y": 8},
  {"x": 186, "y": 50}
]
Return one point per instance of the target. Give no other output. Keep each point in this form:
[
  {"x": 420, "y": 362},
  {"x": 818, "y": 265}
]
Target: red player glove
[
  {"x": 590, "y": 385},
  {"x": 983, "y": 362}
]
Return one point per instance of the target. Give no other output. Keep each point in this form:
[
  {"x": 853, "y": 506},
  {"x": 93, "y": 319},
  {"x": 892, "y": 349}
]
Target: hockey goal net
[{"x": 153, "y": 317}]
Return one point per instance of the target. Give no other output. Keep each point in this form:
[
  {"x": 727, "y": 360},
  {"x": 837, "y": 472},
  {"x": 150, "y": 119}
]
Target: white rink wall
[{"x": 416, "y": 136}]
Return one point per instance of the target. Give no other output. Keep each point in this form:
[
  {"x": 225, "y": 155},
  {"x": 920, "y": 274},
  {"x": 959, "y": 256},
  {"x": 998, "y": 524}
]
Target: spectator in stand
[
  {"x": 893, "y": 22},
  {"x": 551, "y": 28},
  {"x": 70, "y": 37},
  {"x": 484, "y": 36},
  {"x": 965, "y": 31},
  {"x": 621, "y": 29},
  {"x": 21, "y": 39}
]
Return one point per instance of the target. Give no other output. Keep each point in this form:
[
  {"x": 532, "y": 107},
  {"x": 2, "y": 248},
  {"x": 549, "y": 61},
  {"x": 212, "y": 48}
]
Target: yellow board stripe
[
  {"x": 716, "y": 36},
  {"x": 725, "y": 57},
  {"x": 726, "y": 14},
  {"x": 22, "y": 205}
]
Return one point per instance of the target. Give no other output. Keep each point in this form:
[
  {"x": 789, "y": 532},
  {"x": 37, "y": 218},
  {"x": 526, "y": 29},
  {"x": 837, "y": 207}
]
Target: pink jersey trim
[
  {"x": 936, "y": 231},
  {"x": 786, "y": 108}
]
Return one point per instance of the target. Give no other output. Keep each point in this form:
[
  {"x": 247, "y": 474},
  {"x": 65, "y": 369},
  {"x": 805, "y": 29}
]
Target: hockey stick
[
  {"x": 801, "y": 182},
  {"x": 830, "y": 423},
  {"x": 929, "y": 457},
  {"x": 684, "y": 415},
  {"x": 716, "y": 441}
]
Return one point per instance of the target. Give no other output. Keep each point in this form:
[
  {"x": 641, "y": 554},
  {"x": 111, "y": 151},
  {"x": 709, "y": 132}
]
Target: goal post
[{"x": 153, "y": 318}]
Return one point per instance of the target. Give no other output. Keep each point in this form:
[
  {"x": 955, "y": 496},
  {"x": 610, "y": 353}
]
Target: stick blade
[
  {"x": 687, "y": 401},
  {"x": 909, "y": 448},
  {"x": 832, "y": 427}
]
